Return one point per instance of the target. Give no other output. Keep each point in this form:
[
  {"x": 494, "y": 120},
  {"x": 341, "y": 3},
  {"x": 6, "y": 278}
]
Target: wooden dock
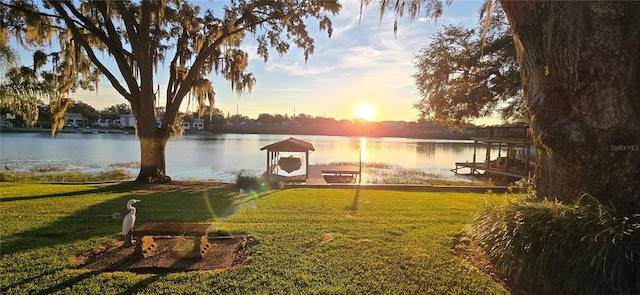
[
  {"x": 475, "y": 167},
  {"x": 319, "y": 174},
  {"x": 516, "y": 163}
]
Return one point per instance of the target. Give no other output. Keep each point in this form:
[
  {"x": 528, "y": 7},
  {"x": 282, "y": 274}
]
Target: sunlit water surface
[{"x": 221, "y": 156}]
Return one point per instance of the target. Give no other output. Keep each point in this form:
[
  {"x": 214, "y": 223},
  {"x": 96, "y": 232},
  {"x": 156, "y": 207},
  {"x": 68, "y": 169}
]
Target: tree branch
[
  {"x": 83, "y": 22},
  {"x": 115, "y": 49},
  {"x": 82, "y": 40},
  {"x": 112, "y": 40},
  {"x": 129, "y": 22},
  {"x": 174, "y": 98}
]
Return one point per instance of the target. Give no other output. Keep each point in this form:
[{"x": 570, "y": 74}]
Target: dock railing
[{"x": 513, "y": 132}]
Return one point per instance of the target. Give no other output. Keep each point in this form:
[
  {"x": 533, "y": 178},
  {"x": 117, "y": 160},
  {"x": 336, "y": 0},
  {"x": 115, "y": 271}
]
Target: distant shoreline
[{"x": 283, "y": 130}]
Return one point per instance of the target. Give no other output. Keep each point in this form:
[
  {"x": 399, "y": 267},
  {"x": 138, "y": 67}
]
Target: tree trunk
[
  {"x": 152, "y": 168},
  {"x": 580, "y": 65},
  {"x": 153, "y": 140}
]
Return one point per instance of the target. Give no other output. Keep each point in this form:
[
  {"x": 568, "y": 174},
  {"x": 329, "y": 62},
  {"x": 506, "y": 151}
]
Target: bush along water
[
  {"x": 547, "y": 247},
  {"x": 256, "y": 184}
]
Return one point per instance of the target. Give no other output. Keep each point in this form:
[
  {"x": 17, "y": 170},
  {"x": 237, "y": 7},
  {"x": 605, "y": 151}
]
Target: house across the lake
[
  {"x": 197, "y": 124},
  {"x": 75, "y": 120},
  {"x": 127, "y": 120},
  {"x": 6, "y": 120}
]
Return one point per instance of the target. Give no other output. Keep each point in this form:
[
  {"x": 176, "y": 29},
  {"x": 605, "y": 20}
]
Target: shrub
[
  {"x": 257, "y": 184},
  {"x": 547, "y": 247},
  {"x": 273, "y": 184},
  {"x": 247, "y": 183}
]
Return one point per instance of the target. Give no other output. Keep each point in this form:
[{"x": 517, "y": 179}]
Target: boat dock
[
  {"x": 515, "y": 163},
  {"x": 475, "y": 167},
  {"x": 326, "y": 174},
  {"x": 313, "y": 174},
  {"x": 321, "y": 175}
]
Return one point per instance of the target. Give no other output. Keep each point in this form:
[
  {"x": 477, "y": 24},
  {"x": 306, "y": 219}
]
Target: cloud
[
  {"x": 363, "y": 61},
  {"x": 285, "y": 89},
  {"x": 251, "y": 48},
  {"x": 296, "y": 69}
]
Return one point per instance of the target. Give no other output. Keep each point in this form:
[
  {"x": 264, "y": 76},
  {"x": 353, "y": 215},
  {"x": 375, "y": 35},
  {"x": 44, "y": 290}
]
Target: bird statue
[{"x": 127, "y": 223}]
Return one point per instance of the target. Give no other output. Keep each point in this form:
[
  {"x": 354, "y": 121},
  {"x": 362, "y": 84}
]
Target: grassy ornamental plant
[
  {"x": 552, "y": 248},
  {"x": 308, "y": 241}
]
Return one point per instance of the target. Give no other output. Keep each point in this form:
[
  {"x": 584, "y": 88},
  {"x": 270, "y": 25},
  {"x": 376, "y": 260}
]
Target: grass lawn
[{"x": 310, "y": 241}]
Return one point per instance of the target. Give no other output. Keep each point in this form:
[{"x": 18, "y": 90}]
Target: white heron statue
[{"x": 127, "y": 223}]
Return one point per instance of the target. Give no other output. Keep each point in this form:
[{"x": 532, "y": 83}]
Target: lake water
[{"x": 221, "y": 156}]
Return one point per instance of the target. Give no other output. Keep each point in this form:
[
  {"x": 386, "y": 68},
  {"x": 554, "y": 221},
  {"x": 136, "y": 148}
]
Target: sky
[{"x": 361, "y": 63}]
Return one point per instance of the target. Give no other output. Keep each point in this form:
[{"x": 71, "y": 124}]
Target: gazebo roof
[{"x": 289, "y": 145}]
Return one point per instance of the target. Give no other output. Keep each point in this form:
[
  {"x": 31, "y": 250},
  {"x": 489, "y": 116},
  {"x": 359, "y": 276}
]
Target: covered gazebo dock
[
  {"x": 313, "y": 174},
  {"x": 288, "y": 164}
]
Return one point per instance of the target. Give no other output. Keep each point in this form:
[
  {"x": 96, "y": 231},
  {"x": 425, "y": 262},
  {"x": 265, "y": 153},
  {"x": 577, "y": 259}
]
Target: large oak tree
[
  {"x": 580, "y": 71},
  {"x": 128, "y": 41},
  {"x": 580, "y": 64}
]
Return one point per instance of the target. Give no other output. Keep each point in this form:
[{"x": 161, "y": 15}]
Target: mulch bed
[{"x": 226, "y": 252}]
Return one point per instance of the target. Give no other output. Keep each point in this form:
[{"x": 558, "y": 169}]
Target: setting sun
[{"x": 365, "y": 112}]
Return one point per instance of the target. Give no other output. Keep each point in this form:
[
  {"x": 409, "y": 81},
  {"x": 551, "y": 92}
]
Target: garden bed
[{"x": 226, "y": 252}]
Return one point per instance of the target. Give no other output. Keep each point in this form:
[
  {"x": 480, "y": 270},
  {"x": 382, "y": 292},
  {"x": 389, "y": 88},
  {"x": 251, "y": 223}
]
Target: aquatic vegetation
[{"x": 65, "y": 177}]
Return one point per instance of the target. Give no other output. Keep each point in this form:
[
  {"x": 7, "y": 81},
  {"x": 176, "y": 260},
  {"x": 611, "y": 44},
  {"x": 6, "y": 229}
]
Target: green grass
[
  {"x": 310, "y": 241},
  {"x": 52, "y": 175}
]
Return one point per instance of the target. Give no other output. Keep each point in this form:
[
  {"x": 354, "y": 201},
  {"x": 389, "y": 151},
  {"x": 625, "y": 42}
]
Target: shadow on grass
[
  {"x": 105, "y": 218},
  {"x": 68, "y": 283},
  {"x": 32, "y": 278},
  {"x": 354, "y": 205},
  {"x": 98, "y": 220},
  {"x": 241, "y": 201},
  {"x": 135, "y": 289},
  {"x": 119, "y": 188}
]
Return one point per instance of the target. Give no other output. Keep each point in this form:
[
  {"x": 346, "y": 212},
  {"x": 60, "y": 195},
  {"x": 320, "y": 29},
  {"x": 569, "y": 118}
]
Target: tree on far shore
[
  {"x": 90, "y": 114},
  {"x": 138, "y": 37},
  {"x": 113, "y": 112}
]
